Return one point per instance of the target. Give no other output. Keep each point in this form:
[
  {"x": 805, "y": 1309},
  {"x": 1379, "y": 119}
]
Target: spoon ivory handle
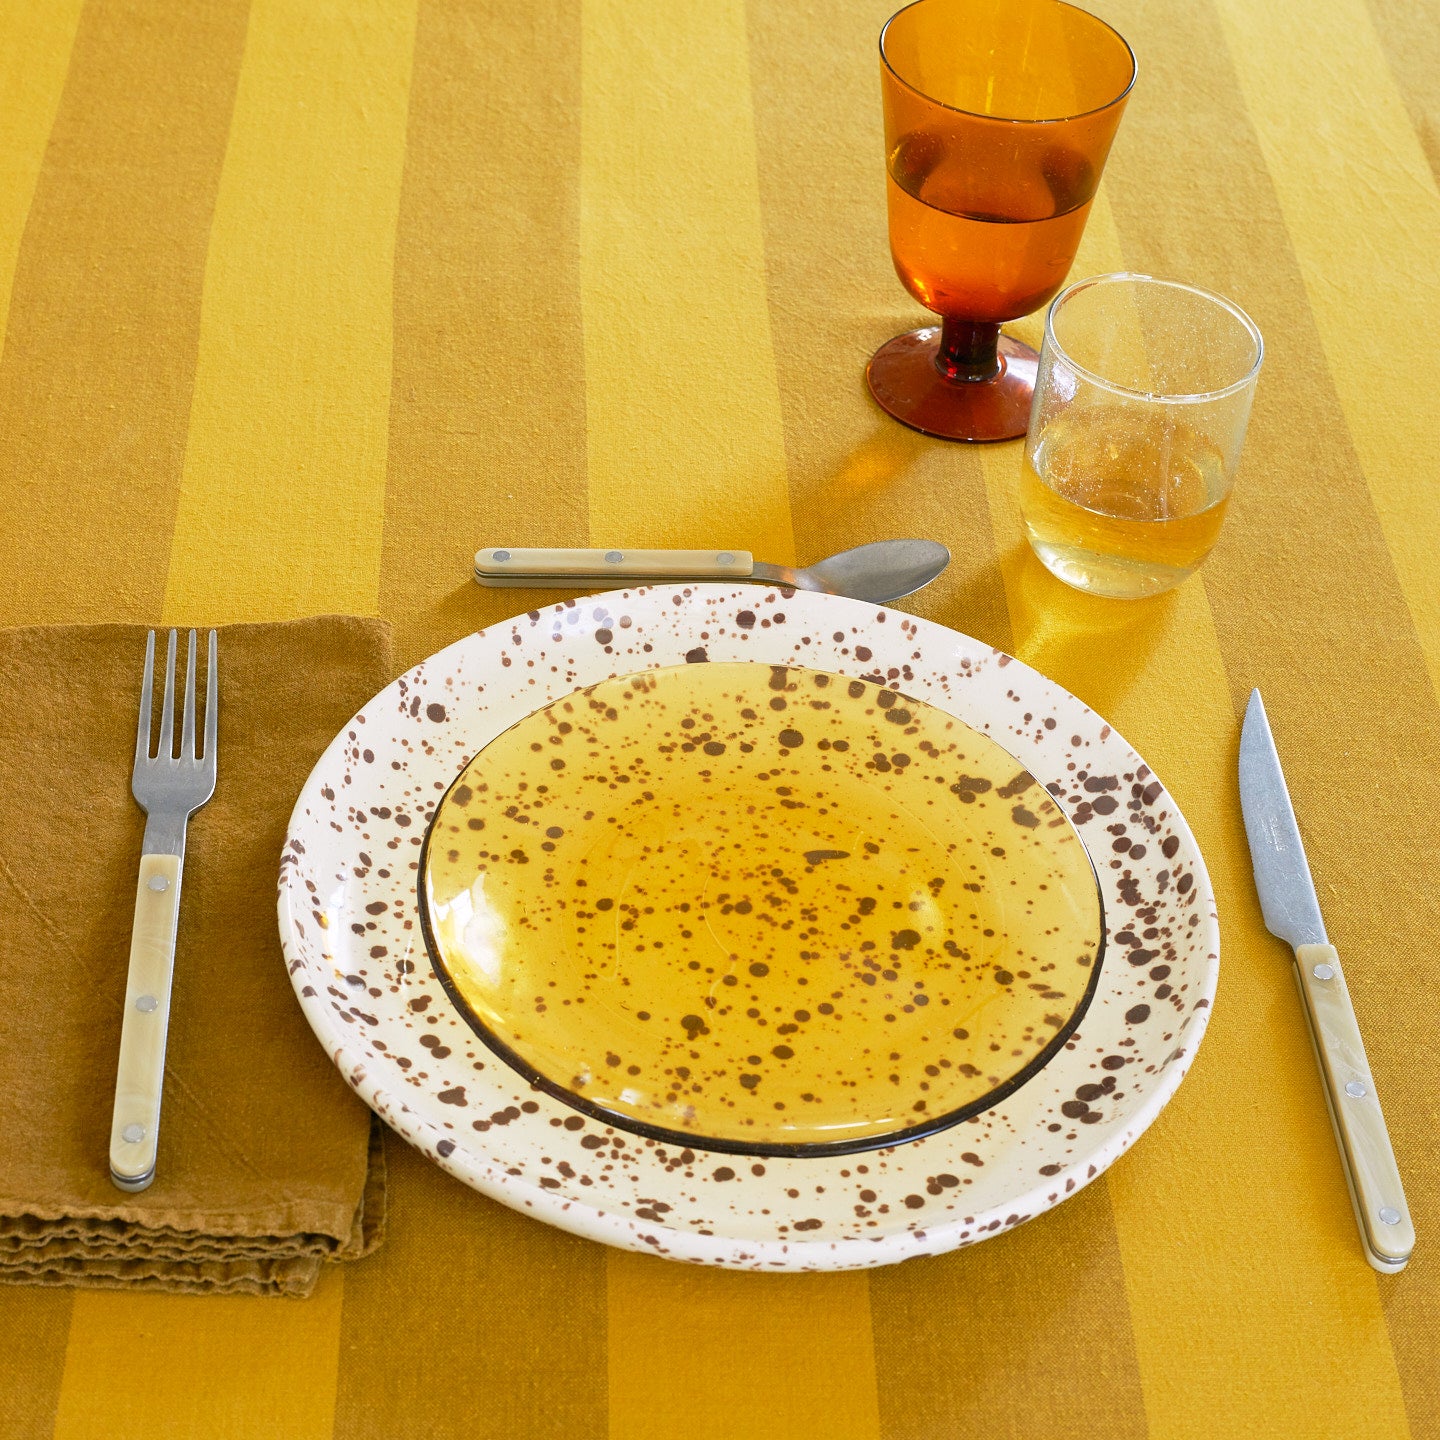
[{"x": 501, "y": 566}]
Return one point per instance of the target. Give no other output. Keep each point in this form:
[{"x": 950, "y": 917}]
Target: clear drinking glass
[{"x": 1140, "y": 408}]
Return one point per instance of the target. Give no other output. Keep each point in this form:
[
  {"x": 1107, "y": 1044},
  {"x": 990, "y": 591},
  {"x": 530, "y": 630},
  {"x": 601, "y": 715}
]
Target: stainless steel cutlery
[
  {"x": 169, "y": 788},
  {"x": 1292, "y": 912},
  {"x": 879, "y": 572}
]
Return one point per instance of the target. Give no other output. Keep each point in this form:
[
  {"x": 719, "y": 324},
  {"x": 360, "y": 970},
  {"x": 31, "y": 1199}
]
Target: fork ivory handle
[
  {"x": 499, "y": 566},
  {"x": 140, "y": 1076}
]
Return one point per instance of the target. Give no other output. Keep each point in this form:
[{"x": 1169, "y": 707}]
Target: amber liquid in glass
[
  {"x": 983, "y": 242},
  {"x": 1121, "y": 502}
]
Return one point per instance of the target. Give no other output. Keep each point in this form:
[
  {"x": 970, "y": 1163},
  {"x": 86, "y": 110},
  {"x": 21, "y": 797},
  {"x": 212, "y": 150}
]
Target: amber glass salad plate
[
  {"x": 750, "y": 927},
  {"x": 762, "y": 909}
]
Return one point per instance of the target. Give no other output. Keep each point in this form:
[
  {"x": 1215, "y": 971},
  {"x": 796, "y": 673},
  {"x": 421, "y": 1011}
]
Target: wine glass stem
[{"x": 968, "y": 350}]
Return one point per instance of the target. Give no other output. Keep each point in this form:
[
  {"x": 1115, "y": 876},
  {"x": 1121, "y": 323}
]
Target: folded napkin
[{"x": 268, "y": 1164}]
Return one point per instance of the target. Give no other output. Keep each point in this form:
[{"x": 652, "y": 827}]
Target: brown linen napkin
[{"x": 268, "y": 1164}]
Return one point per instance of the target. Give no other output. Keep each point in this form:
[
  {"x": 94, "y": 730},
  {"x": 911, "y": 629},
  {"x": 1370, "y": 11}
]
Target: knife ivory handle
[
  {"x": 140, "y": 1076},
  {"x": 1380, "y": 1208},
  {"x": 555, "y": 567}
]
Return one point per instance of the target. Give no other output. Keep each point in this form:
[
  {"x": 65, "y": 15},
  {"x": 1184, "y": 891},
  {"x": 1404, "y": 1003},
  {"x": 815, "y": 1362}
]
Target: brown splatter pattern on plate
[
  {"x": 351, "y": 935},
  {"x": 761, "y": 909}
]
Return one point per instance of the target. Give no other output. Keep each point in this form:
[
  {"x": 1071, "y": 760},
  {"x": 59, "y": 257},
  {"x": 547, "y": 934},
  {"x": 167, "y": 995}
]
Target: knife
[{"x": 1287, "y": 898}]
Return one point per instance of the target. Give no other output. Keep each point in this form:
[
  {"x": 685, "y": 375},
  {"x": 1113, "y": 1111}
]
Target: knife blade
[{"x": 1292, "y": 913}]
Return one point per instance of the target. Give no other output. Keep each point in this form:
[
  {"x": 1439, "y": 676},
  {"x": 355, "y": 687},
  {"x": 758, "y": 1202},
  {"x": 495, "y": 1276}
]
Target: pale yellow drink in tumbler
[{"x": 1135, "y": 435}]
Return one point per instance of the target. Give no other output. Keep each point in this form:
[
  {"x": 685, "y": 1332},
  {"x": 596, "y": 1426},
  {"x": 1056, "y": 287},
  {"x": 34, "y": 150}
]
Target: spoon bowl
[{"x": 880, "y": 571}]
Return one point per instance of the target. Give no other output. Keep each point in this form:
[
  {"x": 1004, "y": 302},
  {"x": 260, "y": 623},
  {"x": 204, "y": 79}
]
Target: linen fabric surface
[
  {"x": 268, "y": 1164},
  {"x": 305, "y": 303}
]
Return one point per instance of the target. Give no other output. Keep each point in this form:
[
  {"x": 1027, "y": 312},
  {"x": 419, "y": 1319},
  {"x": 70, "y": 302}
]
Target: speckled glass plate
[
  {"x": 761, "y": 909},
  {"x": 350, "y": 927}
]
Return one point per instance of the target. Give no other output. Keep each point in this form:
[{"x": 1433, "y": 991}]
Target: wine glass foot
[{"x": 905, "y": 382}]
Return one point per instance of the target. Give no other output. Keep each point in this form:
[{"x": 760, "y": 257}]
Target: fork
[{"x": 169, "y": 789}]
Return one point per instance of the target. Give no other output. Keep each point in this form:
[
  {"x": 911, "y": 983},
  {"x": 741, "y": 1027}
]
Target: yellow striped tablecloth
[{"x": 306, "y": 299}]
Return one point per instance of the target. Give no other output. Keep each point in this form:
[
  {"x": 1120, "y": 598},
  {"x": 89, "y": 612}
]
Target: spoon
[{"x": 881, "y": 571}]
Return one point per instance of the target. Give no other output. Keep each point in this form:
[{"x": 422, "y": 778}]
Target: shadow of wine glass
[
  {"x": 1097, "y": 648},
  {"x": 874, "y": 466}
]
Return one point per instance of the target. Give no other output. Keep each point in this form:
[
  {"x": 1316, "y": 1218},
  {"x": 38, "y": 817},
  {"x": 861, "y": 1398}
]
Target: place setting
[{"x": 713, "y": 907}]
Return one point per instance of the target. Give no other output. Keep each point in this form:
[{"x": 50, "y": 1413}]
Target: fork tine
[
  {"x": 167, "y": 715},
  {"x": 187, "y": 733},
  {"x": 147, "y": 689},
  {"x": 212, "y": 705}
]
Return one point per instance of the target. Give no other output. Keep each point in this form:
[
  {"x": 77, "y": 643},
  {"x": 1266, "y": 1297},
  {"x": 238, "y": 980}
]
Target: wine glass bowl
[{"x": 999, "y": 115}]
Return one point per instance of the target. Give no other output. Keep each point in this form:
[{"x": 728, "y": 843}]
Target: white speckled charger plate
[{"x": 350, "y": 929}]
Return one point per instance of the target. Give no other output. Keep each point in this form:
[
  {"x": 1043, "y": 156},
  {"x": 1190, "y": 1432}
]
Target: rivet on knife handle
[
  {"x": 1375, "y": 1188},
  {"x": 511, "y": 566}
]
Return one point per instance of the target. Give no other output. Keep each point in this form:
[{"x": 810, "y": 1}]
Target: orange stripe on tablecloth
[
  {"x": 99, "y": 359},
  {"x": 720, "y": 1355},
  {"x": 282, "y": 505},
  {"x": 1362, "y": 209},
  {"x": 35, "y": 43},
  {"x": 1241, "y": 1165},
  {"x": 472, "y": 1320},
  {"x": 686, "y": 446},
  {"x": 1308, "y": 606},
  {"x": 34, "y": 1324},
  {"x": 1410, "y": 40},
  {"x": 1024, "y": 1336},
  {"x": 855, "y": 474},
  {"x": 1027, "y": 1334},
  {"x": 487, "y": 404}
]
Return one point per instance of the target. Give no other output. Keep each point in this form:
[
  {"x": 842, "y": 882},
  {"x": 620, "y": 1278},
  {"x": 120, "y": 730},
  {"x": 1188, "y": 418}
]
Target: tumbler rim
[{"x": 1202, "y": 397}]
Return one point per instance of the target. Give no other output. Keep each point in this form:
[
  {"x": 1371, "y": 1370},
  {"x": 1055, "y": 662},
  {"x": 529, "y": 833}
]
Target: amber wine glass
[{"x": 998, "y": 118}]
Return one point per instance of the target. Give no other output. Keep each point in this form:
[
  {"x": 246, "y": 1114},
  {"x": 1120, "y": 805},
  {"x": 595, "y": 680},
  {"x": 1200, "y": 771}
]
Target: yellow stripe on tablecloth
[
  {"x": 682, "y": 411},
  {"x": 201, "y": 1367},
  {"x": 855, "y": 475},
  {"x": 685, "y": 446},
  {"x": 282, "y": 502},
  {"x": 1240, "y": 1171},
  {"x": 35, "y": 43},
  {"x": 471, "y": 1322},
  {"x": 1363, "y": 213}
]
